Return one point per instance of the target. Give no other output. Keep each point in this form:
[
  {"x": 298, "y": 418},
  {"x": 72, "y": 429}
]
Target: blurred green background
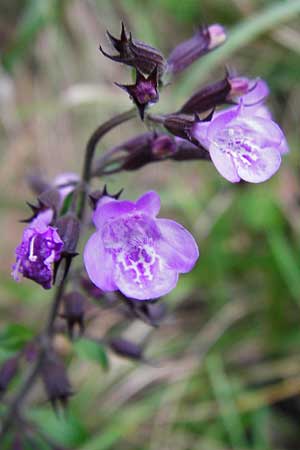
[{"x": 227, "y": 360}]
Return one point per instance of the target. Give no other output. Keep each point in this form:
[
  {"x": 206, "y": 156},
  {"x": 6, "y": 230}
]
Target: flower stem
[
  {"x": 91, "y": 148},
  {"x": 15, "y": 406}
]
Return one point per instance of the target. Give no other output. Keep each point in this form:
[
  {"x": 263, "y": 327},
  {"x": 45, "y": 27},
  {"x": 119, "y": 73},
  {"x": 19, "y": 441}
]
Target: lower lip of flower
[
  {"x": 232, "y": 142},
  {"x": 130, "y": 241}
]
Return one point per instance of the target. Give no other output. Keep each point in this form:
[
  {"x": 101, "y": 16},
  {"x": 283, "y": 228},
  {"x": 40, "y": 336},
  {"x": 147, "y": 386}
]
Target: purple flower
[
  {"x": 41, "y": 246},
  {"x": 243, "y": 142},
  {"x": 136, "y": 253}
]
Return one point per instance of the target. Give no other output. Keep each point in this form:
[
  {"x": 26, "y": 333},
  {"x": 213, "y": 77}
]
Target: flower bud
[
  {"x": 8, "y": 371},
  {"x": 137, "y": 54},
  {"x": 208, "y": 97},
  {"x": 238, "y": 86},
  {"x": 126, "y": 349},
  {"x": 151, "y": 313},
  {"x": 144, "y": 92},
  {"x": 91, "y": 290},
  {"x": 74, "y": 310},
  {"x": 56, "y": 381},
  {"x": 187, "y": 52},
  {"x": 163, "y": 146},
  {"x": 180, "y": 124},
  {"x": 217, "y": 36},
  {"x": 68, "y": 227}
]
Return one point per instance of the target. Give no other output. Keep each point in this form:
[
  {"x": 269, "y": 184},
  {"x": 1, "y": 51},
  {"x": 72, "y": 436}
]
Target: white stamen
[{"x": 32, "y": 257}]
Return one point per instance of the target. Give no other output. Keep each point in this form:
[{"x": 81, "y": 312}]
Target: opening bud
[
  {"x": 187, "y": 52},
  {"x": 238, "y": 86},
  {"x": 217, "y": 36}
]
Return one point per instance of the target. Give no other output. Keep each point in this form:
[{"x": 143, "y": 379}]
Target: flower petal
[
  {"x": 220, "y": 121},
  {"x": 177, "y": 246},
  {"x": 267, "y": 163},
  {"x": 257, "y": 94},
  {"x": 98, "y": 263},
  {"x": 224, "y": 164},
  {"x": 111, "y": 210},
  {"x": 149, "y": 203},
  {"x": 265, "y": 129},
  {"x": 163, "y": 281}
]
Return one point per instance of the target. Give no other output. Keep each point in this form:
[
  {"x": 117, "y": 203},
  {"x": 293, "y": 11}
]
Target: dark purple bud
[
  {"x": 56, "y": 381},
  {"x": 208, "y": 97},
  {"x": 180, "y": 124},
  {"x": 74, "y": 311},
  {"x": 144, "y": 92},
  {"x": 68, "y": 227},
  {"x": 164, "y": 146},
  {"x": 95, "y": 196},
  {"x": 203, "y": 41},
  {"x": 151, "y": 313},
  {"x": 126, "y": 349},
  {"x": 8, "y": 371},
  {"x": 187, "y": 151},
  {"x": 92, "y": 290},
  {"x": 135, "y": 53}
]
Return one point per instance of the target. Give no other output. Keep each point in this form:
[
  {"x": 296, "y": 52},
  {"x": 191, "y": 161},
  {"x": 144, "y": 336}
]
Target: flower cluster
[{"x": 133, "y": 251}]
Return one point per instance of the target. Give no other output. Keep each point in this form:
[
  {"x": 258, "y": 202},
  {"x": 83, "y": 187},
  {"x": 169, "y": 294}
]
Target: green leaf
[
  {"x": 92, "y": 351},
  {"x": 15, "y": 336}
]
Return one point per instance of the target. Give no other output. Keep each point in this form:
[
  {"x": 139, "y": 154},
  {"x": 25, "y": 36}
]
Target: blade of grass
[
  {"x": 223, "y": 393},
  {"x": 286, "y": 262}
]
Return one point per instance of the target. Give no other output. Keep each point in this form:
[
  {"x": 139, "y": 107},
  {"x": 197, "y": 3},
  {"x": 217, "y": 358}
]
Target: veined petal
[
  {"x": 149, "y": 203},
  {"x": 265, "y": 129},
  {"x": 112, "y": 210},
  {"x": 161, "y": 282},
  {"x": 224, "y": 163},
  {"x": 221, "y": 120},
  {"x": 257, "y": 94},
  {"x": 98, "y": 263},
  {"x": 267, "y": 162},
  {"x": 177, "y": 246}
]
